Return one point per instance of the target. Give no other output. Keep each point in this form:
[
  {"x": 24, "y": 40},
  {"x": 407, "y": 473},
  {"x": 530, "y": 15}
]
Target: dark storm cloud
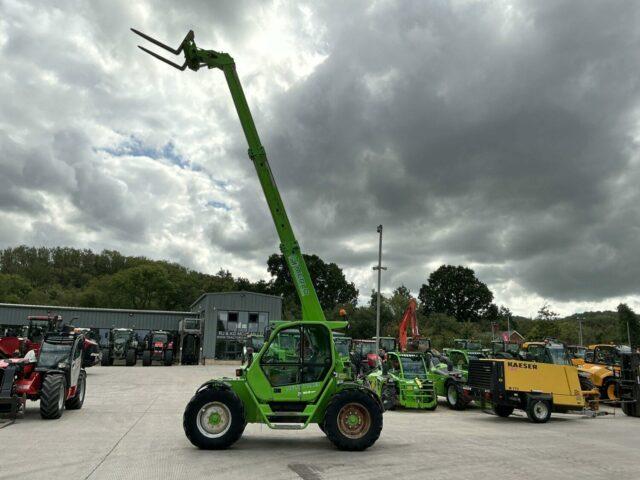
[{"x": 479, "y": 133}]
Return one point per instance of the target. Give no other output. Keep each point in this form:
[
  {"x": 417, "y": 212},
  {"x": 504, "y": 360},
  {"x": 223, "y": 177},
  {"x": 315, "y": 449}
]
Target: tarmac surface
[{"x": 131, "y": 427}]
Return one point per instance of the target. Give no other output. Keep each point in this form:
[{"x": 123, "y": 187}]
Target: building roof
[
  {"x": 240, "y": 292},
  {"x": 121, "y": 310}
]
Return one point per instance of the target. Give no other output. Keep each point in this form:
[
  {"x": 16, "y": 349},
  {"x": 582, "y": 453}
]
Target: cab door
[
  {"x": 277, "y": 378},
  {"x": 76, "y": 361},
  {"x": 317, "y": 360}
]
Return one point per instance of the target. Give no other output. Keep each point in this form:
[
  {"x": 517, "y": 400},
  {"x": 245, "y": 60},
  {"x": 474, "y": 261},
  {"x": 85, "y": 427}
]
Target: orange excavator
[{"x": 415, "y": 343}]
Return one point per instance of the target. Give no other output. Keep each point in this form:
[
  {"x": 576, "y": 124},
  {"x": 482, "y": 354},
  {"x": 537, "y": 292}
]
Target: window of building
[{"x": 253, "y": 318}]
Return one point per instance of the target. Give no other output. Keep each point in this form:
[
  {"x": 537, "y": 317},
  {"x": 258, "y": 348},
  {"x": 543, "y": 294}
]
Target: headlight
[{"x": 63, "y": 365}]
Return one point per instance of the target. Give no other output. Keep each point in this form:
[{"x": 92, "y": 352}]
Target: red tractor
[
  {"x": 55, "y": 377},
  {"x": 158, "y": 346},
  {"x": 19, "y": 343}
]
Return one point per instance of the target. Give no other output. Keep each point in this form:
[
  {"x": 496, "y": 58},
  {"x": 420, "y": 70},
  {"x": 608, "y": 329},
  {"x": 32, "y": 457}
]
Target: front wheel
[
  {"x": 503, "y": 410},
  {"x": 146, "y": 358},
  {"x": 52, "y": 393},
  {"x": 130, "y": 359},
  {"x": 353, "y": 420},
  {"x": 104, "y": 361},
  {"x": 538, "y": 410},
  {"x": 168, "y": 358},
  {"x": 632, "y": 409},
  {"x": 454, "y": 396},
  {"x": 75, "y": 403},
  {"x": 389, "y": 397},
  {"x": 610, "y": 390},
  {"x": 214, "y": 419}
]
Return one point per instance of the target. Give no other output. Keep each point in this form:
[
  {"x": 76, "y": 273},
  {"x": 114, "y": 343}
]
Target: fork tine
[
  {"x": 169, "y": 62},
  {"x": 156, "y": 42}
]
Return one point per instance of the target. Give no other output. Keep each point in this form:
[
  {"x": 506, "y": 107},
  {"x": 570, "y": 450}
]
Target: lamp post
[
  {"x": 580, "y": 318},
  {"x": 379, "y": 268}
]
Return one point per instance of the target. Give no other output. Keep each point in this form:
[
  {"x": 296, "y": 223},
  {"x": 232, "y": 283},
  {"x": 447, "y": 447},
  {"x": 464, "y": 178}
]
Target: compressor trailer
[{"x": 503, "y": 385}]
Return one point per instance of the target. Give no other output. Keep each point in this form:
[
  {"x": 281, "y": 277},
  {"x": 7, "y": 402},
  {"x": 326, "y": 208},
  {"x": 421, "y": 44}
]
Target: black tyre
[
  {"x": 538, "y": 410},
  {"x": 146, "y": 358},
  {"x": 353, "y": 420},
  {"x": 585, "y": 383},
  {"x": 52, "y": 393},
  {"x": 106, "y": 358},
  {"x": 631, "y": 409},
  {"x": 130, "y": 360},
  {"x": 503, "y": 410},
  {"x": 455, "y": 399},
  {"x": 389, "y": 397},
  {"x": 75, "y": 403},
  {"x": 168, "y": 358},
  {"x": 214, "y": 419},
  {"x": 321, "y": 427}
]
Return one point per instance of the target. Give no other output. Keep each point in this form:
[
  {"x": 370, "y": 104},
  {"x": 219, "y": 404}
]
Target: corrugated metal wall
[{"x": 95, "y": 317}]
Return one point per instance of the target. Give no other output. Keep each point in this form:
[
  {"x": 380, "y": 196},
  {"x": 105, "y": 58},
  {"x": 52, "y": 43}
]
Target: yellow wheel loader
[{"x": 603, "y": 362}]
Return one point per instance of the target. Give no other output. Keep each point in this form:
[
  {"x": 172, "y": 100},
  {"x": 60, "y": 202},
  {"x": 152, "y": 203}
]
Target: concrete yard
[{"x": 131, "y": 427}]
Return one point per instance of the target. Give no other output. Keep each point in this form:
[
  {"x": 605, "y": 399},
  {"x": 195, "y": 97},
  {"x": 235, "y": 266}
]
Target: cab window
[{"x": 298, "y": 355}]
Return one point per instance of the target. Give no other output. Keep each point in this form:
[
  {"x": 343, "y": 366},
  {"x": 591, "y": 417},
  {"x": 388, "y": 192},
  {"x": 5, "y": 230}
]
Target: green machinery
[
  {"x": 448, "y": 381},
  {"x": 293, "y": 380},
  {"x": 343, "y": 346},
  {"x": 404, "y": 380}
]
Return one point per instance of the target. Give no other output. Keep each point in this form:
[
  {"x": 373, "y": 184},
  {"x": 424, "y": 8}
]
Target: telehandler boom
[{"x": 195, "y": 58}]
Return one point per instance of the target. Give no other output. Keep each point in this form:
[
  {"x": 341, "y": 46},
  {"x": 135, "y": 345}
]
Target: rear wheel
[
  {"x": 454, "y": 396},
  {"x": 353, "y": 420},
  {"x": 502, "y": 410},
  {"x": 168, "y": 358},
  {"x": 538, "y": 410},
  {"x": 76, "y": 402},
  {"x": 106, "y": 359},
  {"x": 130, "y": 359},
  {"x": 389, "y": 397},
  {"x": 631, "y": 409},
  {"x": 146, "y": 358},
  {"x": 52, "y": 393},
  {"x": 214, "y": 419}
]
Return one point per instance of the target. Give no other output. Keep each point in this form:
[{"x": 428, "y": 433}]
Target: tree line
[{"x": 453, "y": 302}]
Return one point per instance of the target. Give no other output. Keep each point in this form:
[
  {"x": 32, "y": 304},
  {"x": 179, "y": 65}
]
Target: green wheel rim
[{"x": 213, "y": 419}]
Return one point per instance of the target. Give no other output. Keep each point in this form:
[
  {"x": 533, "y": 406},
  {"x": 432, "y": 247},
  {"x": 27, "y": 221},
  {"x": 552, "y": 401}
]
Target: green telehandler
[
  {"x": 287, "y": 389},
  {"x": 404, "y": 380}
]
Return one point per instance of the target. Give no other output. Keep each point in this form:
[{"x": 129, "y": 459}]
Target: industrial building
[{"x": 227, "y": 318}]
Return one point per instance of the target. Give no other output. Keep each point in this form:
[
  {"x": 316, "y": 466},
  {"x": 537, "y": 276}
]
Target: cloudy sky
[{"x": 499, "y": 135}]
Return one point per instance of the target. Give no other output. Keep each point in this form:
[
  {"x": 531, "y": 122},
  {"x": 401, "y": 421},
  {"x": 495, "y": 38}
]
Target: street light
[
  {"x": 379, "y": 268},
  {"x": 580, "y": 319}
]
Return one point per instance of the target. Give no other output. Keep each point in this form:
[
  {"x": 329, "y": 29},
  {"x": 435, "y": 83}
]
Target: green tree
[
  {"x": 456, "y": 292},
  {"x": 142, "y": 287},
  {"x": 13, "y": 288},
  {"x": 626, "y": 317}
]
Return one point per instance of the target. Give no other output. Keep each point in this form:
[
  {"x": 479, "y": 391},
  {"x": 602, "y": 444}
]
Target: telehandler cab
[{"x": 289, "y": 384}]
